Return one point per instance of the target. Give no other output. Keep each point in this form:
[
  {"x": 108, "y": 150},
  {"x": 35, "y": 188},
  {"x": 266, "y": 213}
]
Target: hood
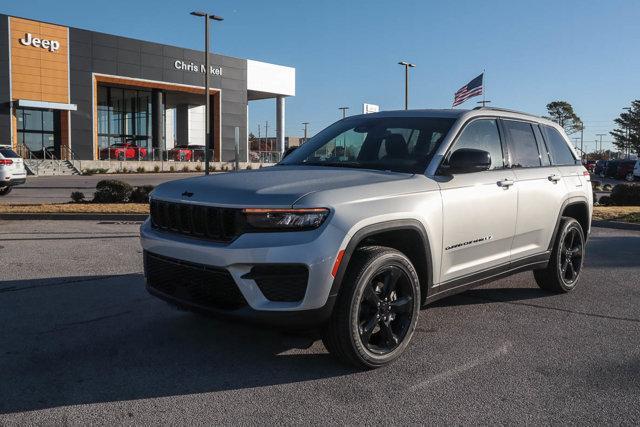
[{"x": 275, "y": 186}]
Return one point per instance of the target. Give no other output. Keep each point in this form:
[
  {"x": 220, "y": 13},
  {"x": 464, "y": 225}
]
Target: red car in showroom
[
  {"x": 123, "y": 151},
  {"x": 187, "y": 153}
]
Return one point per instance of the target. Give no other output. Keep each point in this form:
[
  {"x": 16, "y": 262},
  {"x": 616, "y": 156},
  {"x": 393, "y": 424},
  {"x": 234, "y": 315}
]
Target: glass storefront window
[{"x": 124, "y": 123}]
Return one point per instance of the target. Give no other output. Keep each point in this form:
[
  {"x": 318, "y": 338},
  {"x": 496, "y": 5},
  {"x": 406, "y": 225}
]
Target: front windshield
[{"x": 400, "y": 144}]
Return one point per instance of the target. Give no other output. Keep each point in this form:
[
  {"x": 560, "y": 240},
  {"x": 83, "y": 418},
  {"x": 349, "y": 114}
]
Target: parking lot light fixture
[
  {"x": 207, "y": 142},
  {"x": 406, "y": 65}
]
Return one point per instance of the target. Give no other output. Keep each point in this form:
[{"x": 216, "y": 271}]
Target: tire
[
  {"x": 567, "y": 257},
  {"x": 6, "y": 190},
  {"x": 373, "y": 322}
]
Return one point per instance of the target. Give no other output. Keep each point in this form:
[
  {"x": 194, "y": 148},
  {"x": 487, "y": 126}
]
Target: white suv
[
  {"x": 372, "y": 219},
  {"x": 12, "y": 171}
]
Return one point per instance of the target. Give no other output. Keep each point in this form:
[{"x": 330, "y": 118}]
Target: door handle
[
  {"x": 554, "y": 178},
  {"x": 506, "y": 183}
]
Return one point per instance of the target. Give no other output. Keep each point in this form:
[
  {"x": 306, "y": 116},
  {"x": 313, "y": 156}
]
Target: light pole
[
  {"x": 600, "y": 135},
  {"x": 306, "y": 124},
  {"x": 207, "y": 119},
  {"x": 406, "y": 65},
  {"x": 344, "y": 111}
]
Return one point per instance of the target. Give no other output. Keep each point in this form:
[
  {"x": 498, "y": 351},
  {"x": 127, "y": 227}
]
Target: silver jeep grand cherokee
[{"x": 372, "y": 219}]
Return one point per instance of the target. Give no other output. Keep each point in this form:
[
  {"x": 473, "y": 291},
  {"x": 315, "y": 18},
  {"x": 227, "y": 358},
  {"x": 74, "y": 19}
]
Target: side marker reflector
[{"x": 336, "y": 265}]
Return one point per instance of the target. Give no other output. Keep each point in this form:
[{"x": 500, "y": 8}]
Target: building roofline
[{"x": 128, "y": 37}]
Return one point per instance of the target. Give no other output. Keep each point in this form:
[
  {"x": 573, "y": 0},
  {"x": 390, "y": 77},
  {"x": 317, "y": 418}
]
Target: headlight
[{"x": 285, "y": 219}]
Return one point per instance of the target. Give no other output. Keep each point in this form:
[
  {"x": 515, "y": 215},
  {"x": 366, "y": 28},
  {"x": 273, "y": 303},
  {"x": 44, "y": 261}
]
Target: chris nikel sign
[
  {"x": 190, "y": 66},
  {"x": 50, "y": 45}
]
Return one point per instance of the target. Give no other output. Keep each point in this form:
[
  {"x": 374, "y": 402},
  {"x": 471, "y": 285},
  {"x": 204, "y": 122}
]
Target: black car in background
[
  {"x": 599, "y": 168},
  {"x": 611, "y": 169}
]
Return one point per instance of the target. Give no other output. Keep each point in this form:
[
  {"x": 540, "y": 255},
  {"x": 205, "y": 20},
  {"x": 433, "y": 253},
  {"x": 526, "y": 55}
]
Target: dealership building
[{"x": 73, "y": 93}]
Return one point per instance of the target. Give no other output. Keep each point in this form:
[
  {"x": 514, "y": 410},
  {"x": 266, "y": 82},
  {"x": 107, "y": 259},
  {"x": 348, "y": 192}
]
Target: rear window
[
  {"x": 558, "y": 148},
  {"x": 8, "y": 154}
]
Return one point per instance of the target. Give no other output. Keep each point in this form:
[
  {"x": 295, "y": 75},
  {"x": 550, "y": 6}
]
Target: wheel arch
[
  {"x": 406, "y": 235},
  {"x": 577, "y": 208}
]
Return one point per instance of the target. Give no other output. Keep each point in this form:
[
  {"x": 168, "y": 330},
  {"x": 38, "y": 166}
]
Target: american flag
[{"x": 471, "y": 89}]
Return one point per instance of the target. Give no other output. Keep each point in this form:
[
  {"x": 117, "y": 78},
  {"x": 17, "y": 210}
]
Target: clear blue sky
[{"x": 346, "y": 51}]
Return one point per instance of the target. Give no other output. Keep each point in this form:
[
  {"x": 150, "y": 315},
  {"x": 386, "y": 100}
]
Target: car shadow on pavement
[
  {"x": 489, "y": 295},
  {"x": 82, "y": 340}
]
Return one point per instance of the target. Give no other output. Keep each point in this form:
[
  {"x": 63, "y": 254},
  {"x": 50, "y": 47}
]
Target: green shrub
[
  {"x": 156, "y": 168},
  {"x": 198, "y": 168},
  {"x": 605, "y": 201},
  {"x": 140, "y": 169},
  {"x": 185, "y": 168},
  {"x": 124, "y": 170},
  {"x": 112, "y": 191},
  {"x": 172, "y": 169},
  {"x": 91, "y": 171},
  {"x": 626, "y": 195},
  {"x": 595, "y": 198},
  {"x": 77, "y": 196},
  {"x": 141, "y": 194},
  {"x": 607, "y": 187},
  {"x": 249, "y": 166},
  {"x": 595, "y": 184}
]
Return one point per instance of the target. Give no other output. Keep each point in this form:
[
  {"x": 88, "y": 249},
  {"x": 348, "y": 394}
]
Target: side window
[
  {"x": 558, "y": 148},
  {"x": 482, "y": 134},
  {"x": 523, "y": 148},
  {"x": 545, "y": 157}
]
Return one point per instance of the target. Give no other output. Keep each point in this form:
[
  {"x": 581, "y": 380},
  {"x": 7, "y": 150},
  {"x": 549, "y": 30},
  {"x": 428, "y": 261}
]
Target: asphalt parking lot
[{"x": 82, "y": 342}]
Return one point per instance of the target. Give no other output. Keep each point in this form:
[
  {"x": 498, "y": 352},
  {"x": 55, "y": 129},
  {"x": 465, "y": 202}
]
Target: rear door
[
  {"x": 479, "y": 208},
  {"x": 539, "y": 185}
]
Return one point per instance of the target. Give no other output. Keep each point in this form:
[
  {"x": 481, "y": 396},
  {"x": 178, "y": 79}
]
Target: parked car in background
[
  {"x": 625, "y": 170},
  {"x": 123, "y": 151},
  {"x": 599, "y": 168},
  {"x": 611, "y": 169},
  {"x": 590, "y": 165},
  {"x": 12, "y": 171},
  {"x": 636, "y": 170},
  {"x": 187, "y": 153},
  {"x": 180, "y": 153}
]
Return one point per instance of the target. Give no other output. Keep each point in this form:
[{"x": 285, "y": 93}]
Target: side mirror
[
  {"x": 289, "y": 151},
  {"x": 467, "y": 160}
]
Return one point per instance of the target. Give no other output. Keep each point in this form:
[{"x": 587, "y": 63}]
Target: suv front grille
[
  {"x": 280, "y": 282},
  {"x": 202, "y": 285},
  {"x": 207, "y": 222}
]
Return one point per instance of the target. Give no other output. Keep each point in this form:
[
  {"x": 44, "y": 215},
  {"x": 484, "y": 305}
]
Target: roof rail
[{"x": 506, "y": 110}]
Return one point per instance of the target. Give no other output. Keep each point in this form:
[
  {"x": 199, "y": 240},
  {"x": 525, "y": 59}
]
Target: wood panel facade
[{"x": 39, "y": 61}]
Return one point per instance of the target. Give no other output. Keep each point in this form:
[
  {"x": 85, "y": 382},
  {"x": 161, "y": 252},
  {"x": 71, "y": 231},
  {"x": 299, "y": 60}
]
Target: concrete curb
[
  {"x": 618, "y": 225},
  {"x": 72, "y": 217}
]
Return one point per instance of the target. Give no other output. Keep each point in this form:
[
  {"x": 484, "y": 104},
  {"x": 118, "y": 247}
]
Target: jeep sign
[{"x": 50, "y": 45}]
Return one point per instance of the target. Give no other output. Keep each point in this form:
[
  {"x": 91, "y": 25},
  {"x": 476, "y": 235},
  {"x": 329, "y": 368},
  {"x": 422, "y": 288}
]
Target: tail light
[{"x": 6, "y": 162}]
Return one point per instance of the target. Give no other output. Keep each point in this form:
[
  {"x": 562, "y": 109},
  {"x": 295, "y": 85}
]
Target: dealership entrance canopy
[{"x": 67, "y": 92}]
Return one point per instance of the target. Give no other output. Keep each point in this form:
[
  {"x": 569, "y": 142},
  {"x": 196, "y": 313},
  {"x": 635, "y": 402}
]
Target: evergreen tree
[
  {"x": 627, "y": 134},
  {"x": 562, "y": 113}
]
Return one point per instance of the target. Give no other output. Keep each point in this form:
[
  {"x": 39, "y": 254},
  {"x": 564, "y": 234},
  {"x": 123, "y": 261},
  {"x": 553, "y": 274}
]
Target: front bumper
[{"x": 315, "y": 249}]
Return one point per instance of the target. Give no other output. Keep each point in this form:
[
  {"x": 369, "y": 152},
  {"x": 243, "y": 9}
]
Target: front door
[
  {"x": 479, "y": 208},
  {"x": 39, "y": 132}
]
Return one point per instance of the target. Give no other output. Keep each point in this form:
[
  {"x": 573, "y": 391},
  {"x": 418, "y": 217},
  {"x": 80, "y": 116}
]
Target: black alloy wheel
[
  {"x": 376, "y": 310},
  {"x": 386, "y": 310},
  {"x": 571, "y": 253},
  {"x": 565, "y": 264}
]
